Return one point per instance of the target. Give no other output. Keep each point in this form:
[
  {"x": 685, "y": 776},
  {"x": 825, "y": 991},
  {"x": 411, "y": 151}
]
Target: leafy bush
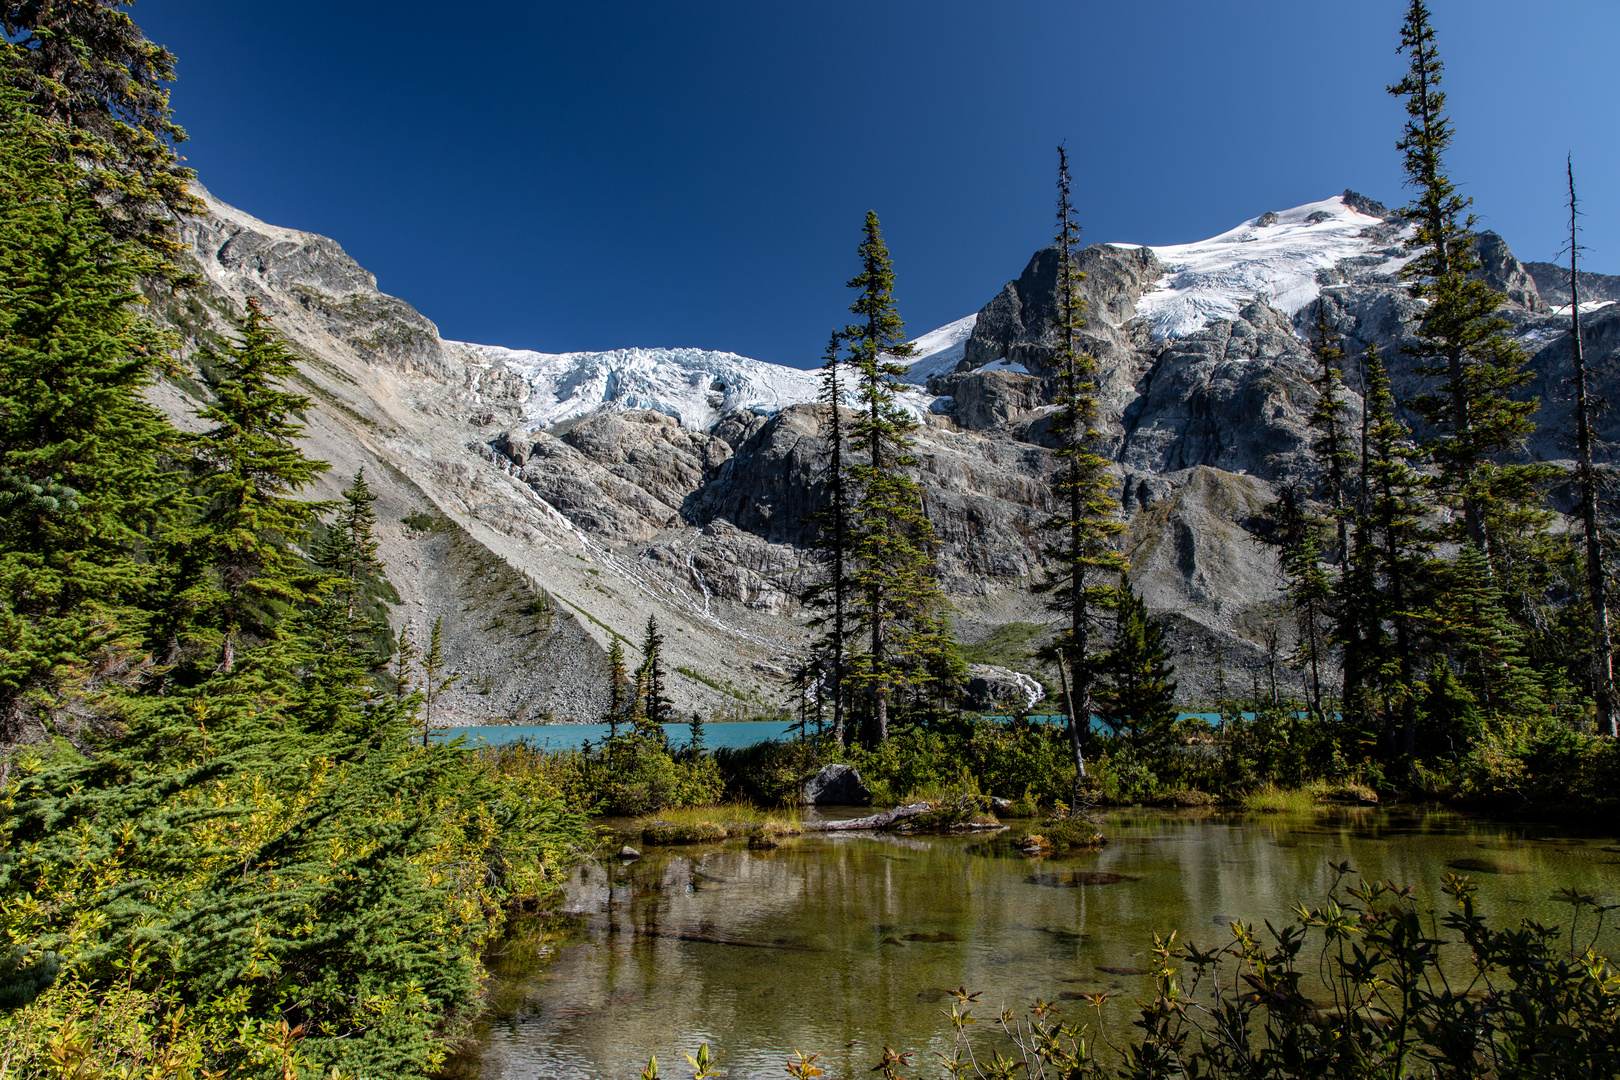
[
  {"x": 629, "y": 775},
  {"x": 1402, "y": 1000}
]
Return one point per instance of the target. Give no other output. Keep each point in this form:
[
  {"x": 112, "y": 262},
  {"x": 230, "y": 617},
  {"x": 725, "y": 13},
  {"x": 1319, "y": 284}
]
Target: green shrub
[{"x": 629, "y": 775}]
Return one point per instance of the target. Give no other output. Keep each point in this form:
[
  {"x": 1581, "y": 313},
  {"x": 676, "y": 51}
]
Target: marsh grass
[{"x": 725, "y": 821}]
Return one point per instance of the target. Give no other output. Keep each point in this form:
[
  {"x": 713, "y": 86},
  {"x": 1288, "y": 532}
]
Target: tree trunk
[
  {"x": 1602, "y": 644},
  {"x": 875, "y": 821}
]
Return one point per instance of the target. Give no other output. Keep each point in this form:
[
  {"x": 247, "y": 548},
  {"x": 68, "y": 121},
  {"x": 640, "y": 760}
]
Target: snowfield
[
  {"x": 1213, "y": 279},
  {"x": 939, "y": 351},
  {"x": 695, "y": 386}
]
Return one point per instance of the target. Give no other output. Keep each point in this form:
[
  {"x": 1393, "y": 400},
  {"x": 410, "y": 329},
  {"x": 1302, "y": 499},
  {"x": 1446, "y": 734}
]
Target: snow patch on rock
[
  {"x": 939, "y": 351},
  {"x": 1276, "y": 255}
]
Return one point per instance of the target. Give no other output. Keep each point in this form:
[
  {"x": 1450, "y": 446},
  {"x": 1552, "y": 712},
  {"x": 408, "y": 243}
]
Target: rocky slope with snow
[{"x": 555, "y": 499}]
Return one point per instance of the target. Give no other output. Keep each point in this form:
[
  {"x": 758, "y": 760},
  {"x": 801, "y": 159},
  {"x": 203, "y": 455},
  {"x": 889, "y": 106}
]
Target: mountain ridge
[{"x": 581, "y": 492}]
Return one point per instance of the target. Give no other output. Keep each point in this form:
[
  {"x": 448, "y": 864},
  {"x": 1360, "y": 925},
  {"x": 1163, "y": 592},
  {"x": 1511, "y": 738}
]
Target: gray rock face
[
  {"x": 1235, "y": 396},
  {"x": 1018, "y": 324},
  {"x": 991, "y": 688},
  {"x": 1506, "y": 274},
  {"x": 988, "y": 399},
  {"x": 1552, "y": 283},
  {"x": 836, "y": 785}
]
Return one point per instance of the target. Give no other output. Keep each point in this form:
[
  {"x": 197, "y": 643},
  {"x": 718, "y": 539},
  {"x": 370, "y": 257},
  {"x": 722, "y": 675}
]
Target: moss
[
  {"x": 1060, "y": 834},
  {"x": 677, "y": 832}
]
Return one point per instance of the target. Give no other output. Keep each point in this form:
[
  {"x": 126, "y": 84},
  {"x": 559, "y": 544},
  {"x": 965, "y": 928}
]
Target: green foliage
[
  {"x": 656, "y": 709},
  {"x": 1017, "y": 760},
  {"x": 1137, "y": 694},
  {"x": 1086, "y": 521},
  {"x": 1402, "y": 1000},
  {"x": 87, "y": 69},
  {"x": 241, "y": 865},
  {"x": 898, "y": 609},
  {"x": 80, "y": 482},
  {"x": 627, "y": 775}
]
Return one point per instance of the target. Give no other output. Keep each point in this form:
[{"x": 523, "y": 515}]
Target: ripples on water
[{"x": 844, "y": 943}]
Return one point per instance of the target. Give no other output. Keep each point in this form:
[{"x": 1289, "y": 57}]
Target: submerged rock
[{"x": 836, "y": 785}]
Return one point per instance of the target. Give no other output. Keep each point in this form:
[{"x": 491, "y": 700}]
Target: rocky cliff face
[{"x": 558, "y": 499}]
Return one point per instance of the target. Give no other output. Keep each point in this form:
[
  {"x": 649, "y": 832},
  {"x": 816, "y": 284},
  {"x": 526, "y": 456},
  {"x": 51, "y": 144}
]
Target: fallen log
[
  {"x": 874, "y": 821},
  {"x": 708, "y": 939}
]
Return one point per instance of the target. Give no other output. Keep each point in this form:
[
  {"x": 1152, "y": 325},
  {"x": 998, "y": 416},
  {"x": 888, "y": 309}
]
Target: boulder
[
  {"x": 991, "y": 688},
  {"x": 836, "y": 785}
]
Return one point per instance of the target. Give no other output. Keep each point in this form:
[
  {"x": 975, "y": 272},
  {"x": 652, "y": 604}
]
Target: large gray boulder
[{"x": 836, "y": 785}]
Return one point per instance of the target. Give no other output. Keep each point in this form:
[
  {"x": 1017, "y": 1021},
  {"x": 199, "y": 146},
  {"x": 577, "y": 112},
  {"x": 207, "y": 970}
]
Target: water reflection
[{"x": 845, "y": 943}]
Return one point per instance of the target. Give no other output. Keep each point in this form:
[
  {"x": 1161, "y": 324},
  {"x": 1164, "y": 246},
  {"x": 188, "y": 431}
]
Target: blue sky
[{"x": 587, "y": 176}]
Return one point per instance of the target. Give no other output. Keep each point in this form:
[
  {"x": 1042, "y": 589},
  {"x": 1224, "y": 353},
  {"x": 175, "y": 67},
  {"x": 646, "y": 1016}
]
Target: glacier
[{"x": 1276, "y": 255}]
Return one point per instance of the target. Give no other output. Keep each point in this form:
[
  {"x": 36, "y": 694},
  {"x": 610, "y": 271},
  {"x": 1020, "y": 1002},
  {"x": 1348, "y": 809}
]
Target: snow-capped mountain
[
  {"x": 604, "y": 487},
  {"x": 1278, "y": 256}
]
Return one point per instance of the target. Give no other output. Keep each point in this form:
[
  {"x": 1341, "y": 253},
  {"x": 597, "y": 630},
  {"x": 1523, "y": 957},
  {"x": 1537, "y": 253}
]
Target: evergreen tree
[
  {"x": 1296, "y": 533},
  {"x": 895, "y": 592},
  {"x": 1136, "y": 692},
  {"x": 434, "y": 681},
  {"x": 696, "y": 745},
  {"x": 832, "y": 595},
  {"x": 234, "y": 572},
  {"x": 1480, "y": 365},
  {"x": 1486, "y": 645},
  {"x": 1334, "y": 444},
  {"x": 80, "y": 483},
  {"x": 657, "y": 709},
  {"x": 1086, "y": 522},
  {"x": 619, "y": 689},
  {"x": 1336, "y": 448},
  {"x": 85, "y": 67},
  {"x": 1395, "y": 544},
  {"x": 1602, "y": 648}
]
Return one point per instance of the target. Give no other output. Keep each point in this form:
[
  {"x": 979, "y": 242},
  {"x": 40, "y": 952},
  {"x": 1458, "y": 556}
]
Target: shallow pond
[{"x": 845, "y": 943}]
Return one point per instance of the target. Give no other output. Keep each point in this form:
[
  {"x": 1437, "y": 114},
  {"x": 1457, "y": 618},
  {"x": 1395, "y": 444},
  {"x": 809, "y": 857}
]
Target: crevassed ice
[{"x": 695, "y": 386}]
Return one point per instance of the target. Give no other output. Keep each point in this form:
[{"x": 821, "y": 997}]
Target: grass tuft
[{"x": 702, "y": 824}]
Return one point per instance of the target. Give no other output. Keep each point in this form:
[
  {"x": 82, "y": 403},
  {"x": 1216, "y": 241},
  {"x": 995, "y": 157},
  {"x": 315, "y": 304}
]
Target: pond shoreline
[{"x": 844, "y": 943}]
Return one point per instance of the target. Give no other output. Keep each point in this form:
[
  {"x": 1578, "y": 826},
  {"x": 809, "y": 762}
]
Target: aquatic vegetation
[{"x": 699, "y": 824}]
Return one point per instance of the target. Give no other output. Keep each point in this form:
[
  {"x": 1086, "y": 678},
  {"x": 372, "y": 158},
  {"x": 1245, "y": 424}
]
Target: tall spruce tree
[
  {"x": 831, "y": 595},
  {"x": 619, "y": 689},
  {"x": 1486, "y": 645},
  {"x": 1136, "y": 690},
  {"x": 434, "y": 681},
  {"x": 897, "y": 602},
  {"x": 1602, "y": 666},
  {"x": 234, "y": 572},
  {"x": 1476, "y": 419},
  {"x": 657, "y": 708},
  {"x": 81, "y": 487},
  {"x": 85, "y": 67},
  {"x": 1297, "y": 535},
  {"x": 1395, "y": 542},
  {"x": 1336, "y": 448},
  {"x": 1085, "y": 523}
]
